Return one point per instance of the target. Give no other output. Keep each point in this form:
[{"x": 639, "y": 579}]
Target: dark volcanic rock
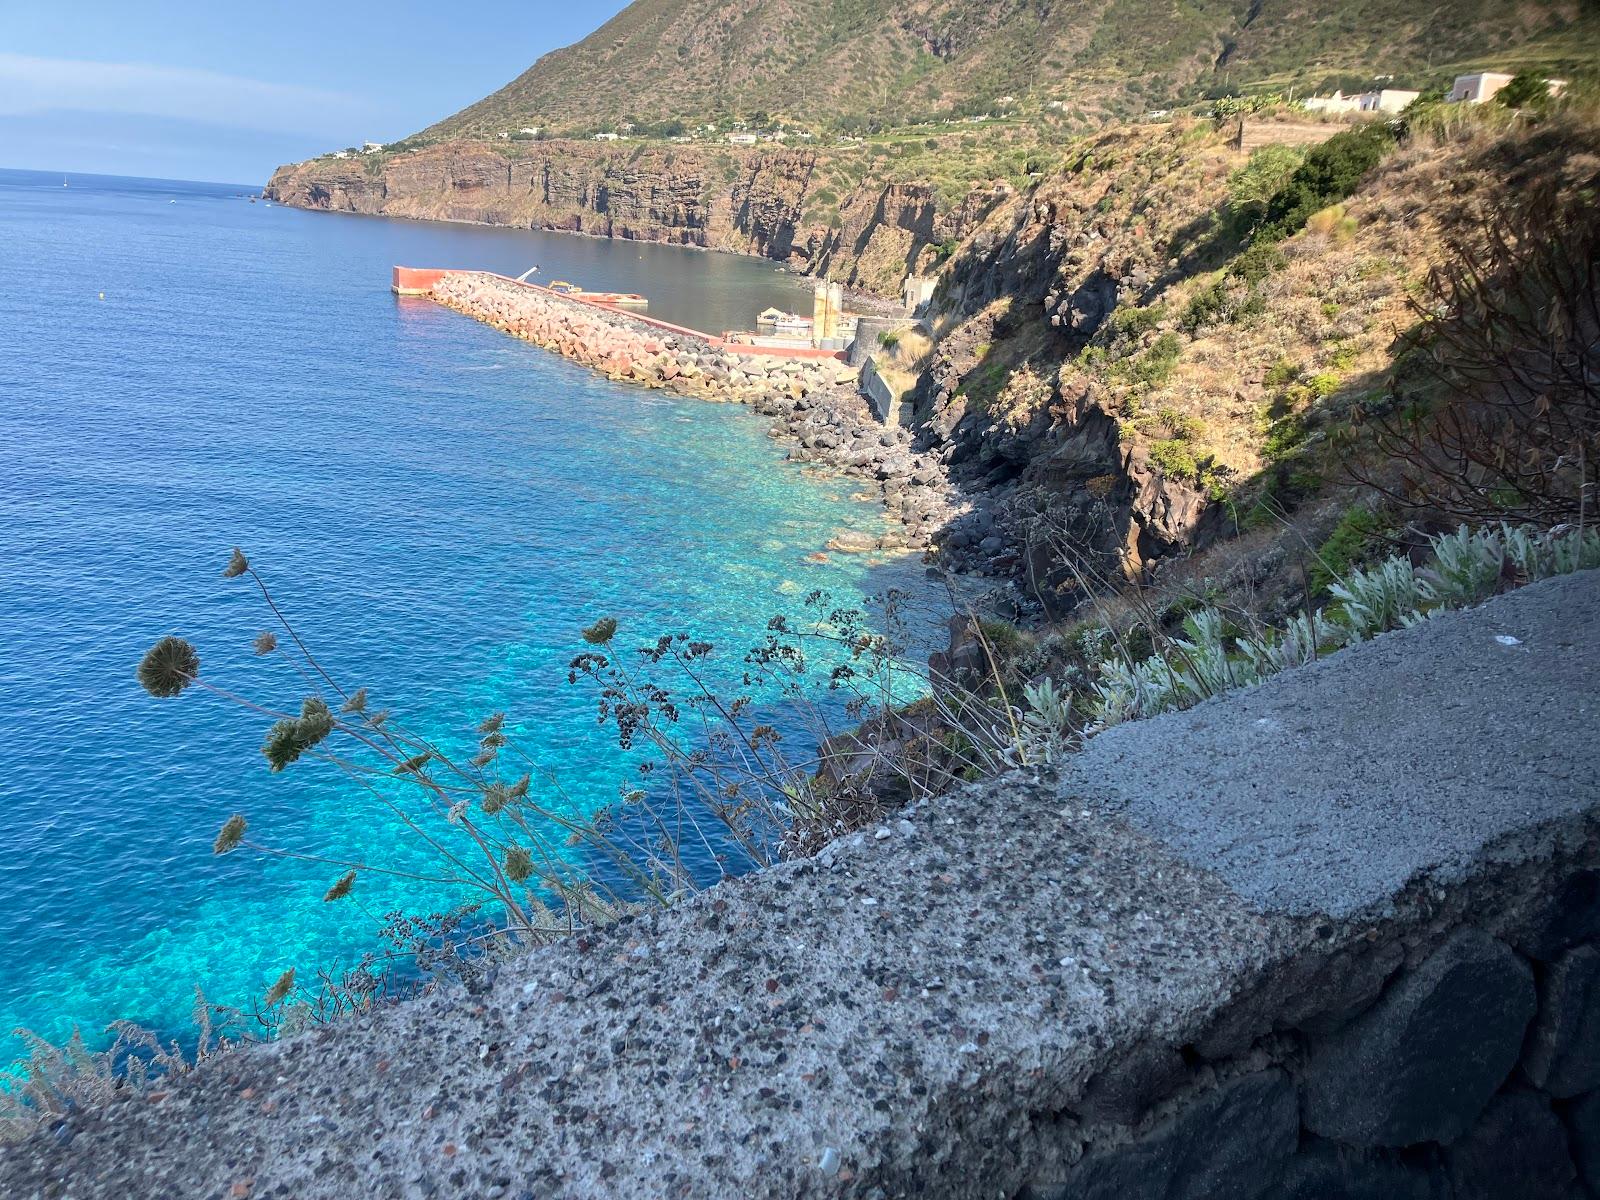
[
  {"x": 1422, "y": 1063},
  {"x": 1128, "y": 1088},
  {"x": 1563, "y": 1054},
  {"x": 1571, "y": 915},
  {"x": 1233, "y": 1141},
  {"x": 1328, "y": 1172},
  {"x": 1518, "y": 1151},
  {"x": 1583, "y": 1121}
]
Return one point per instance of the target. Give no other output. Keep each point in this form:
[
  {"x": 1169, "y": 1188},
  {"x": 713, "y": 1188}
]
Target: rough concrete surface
[
  {"x": 913, "y": 1014},
  {"x": 1327, "y": 789}
]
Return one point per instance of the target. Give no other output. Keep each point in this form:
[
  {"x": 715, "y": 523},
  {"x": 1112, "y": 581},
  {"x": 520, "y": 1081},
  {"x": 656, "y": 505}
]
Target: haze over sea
[{"x": 438, "y": 507}]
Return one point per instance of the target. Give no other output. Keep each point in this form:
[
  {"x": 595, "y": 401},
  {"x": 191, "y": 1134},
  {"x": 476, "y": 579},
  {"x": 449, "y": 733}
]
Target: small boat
[
  {"x": 563, "y": 287},
  {"x": 63, "y": 181},
  {"x": 782, "y": 322},
  {"x": 619, "y": 299}
]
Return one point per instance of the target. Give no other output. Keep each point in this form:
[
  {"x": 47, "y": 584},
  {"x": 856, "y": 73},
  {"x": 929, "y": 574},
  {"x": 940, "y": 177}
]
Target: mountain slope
[{"x": 899, "y": 60}]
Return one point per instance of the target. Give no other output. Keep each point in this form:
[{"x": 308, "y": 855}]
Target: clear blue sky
[{"x": 226, "y": 90}]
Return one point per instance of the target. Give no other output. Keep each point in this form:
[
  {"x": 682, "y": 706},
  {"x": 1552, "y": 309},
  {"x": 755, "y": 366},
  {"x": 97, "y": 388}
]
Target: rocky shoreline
[{"x": 813, "y": 401}]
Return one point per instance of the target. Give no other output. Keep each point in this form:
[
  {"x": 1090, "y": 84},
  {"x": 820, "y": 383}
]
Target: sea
[{"x": 437, "y": 508}]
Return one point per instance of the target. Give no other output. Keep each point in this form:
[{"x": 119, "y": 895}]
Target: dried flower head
[
  {"x": 316, "y": 720},
  {"x": 282, "y": 744},
  {"x": 357, "y": 702},
  {"x": 519, "y": 864},
  {"x": 230, "y": 835},
  {"x": 601, "y": 632},
  {"x": 238, "y": 564},
  {"x": 279, "y": 991},
  {"x": 491, "y": 723},
  {"x": 495, "y": 797},
  {"x": 341, "y": 887},
  {"x": 266, "y": 642},
  {"x": 168, "y": 667},
  {"x": 291, "y": 737}
]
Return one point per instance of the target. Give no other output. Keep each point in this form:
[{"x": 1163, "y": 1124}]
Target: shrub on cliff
[
  {"x": 1252, "y": 187},
  {"x": 1329, "y": 173}
]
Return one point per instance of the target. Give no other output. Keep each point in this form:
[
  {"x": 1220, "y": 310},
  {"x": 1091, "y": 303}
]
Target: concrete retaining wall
[
  {"x": 884, "y": 399},
  {"x": 1331, "y": 937}
]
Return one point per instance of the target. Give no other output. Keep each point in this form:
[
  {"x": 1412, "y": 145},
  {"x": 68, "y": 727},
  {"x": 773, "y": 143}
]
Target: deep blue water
[{"x": 438, "y": 507}]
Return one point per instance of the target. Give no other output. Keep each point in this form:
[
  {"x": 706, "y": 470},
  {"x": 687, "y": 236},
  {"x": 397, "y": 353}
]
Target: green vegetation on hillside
[{"x": 862, "y": 66}]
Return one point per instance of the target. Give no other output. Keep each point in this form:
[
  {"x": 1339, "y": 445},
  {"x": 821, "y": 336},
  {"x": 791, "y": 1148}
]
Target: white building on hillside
[
  {"x": 1485, "y": 85},
  {"x": 605, "y": 137},
  {"x": 1389, "y": 100},
  {"x": 1386, "y": 100},
  {"x": 1334, "y": 104},
  {"x": 1476, "y": 89}
]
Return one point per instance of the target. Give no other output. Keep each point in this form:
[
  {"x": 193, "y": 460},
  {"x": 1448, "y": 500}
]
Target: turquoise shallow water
[{"x": 439, "y": 508}]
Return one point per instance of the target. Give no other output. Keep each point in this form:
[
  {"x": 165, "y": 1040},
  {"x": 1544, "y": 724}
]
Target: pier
[{"x": 438, "y": 283}]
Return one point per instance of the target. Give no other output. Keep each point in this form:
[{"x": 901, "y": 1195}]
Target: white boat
[{"x": 782, "y": 322}]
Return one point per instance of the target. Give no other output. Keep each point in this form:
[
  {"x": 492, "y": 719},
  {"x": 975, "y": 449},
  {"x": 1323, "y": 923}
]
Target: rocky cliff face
[
  {"x": 1059, "y": 473},
  {"x": 749, "y": 201}
]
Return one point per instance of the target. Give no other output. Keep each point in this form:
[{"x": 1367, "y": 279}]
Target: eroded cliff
[{"x": 747, "y": 200}]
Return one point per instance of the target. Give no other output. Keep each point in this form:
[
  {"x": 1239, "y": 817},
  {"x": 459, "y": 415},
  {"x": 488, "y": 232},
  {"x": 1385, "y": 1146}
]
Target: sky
[{"x": 226, "y": 90}]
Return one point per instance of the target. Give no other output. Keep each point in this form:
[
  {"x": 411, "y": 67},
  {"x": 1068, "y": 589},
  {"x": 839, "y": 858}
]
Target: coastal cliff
[{"x": 760, "y": 201}]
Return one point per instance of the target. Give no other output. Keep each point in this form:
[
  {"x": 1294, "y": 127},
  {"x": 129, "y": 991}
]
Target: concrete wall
[
  {"x": 884, "y": 400},
  {"x": 1331, "y": 937}
]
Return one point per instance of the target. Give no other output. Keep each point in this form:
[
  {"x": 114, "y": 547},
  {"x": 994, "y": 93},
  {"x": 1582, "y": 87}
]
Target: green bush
[
  {"x": 1176, "y": 458},
  {"x": 1257, "y": 262},
  {"x": 1133, "y": 322},
  {"x": 1155, "y": 366},
  {"x": 1526, "y": 90},
  {"x": 1322, "y": 385},
  {"x": 1330, "y": 172},
  {"x": 1181, "y": 425},
  {"x": 1207, "y": 307},
  {"x": 1252, "y": 187},
  {"x": 1349, "y": 545},
  {"x": 1284, "y": 437},
  {"x": 1215, "y": 303},
  {"x": 1281, "y": 372}
]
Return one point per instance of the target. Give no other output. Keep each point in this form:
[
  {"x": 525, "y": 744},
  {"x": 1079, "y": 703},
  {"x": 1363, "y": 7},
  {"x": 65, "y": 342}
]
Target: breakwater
[{"x": 811, "y": 394}]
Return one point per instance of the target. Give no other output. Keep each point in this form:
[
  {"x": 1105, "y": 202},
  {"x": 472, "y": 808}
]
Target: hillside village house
[
  {"x": 1388, "y": 100},
  {"x": 371, "y": 147},
  {"x": 743, "y": 139},
  {"x": 606, "y": 137},
  {"x": 1476, "y": 89}
]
